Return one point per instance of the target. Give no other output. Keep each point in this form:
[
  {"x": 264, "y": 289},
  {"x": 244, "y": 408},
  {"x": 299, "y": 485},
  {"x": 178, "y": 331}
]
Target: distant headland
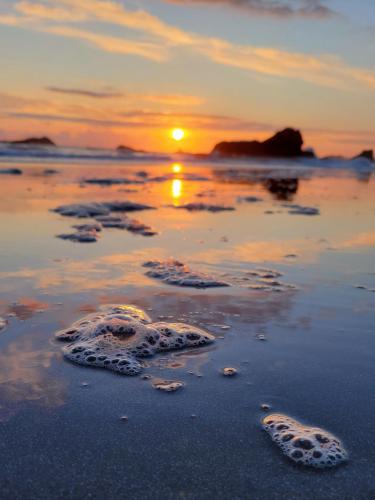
[
  {"x": 33, "y": 141},
  {"x": 286, "y": 143}
]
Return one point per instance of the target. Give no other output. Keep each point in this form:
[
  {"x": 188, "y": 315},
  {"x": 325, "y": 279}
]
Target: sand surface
[{"x": 306, "y": 350}]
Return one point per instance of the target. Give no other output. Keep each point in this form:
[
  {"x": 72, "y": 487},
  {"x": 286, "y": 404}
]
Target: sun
[{"x": 178, "y": 134}]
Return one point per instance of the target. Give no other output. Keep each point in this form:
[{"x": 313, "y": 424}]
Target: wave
[{"x": 28, "y": 153}]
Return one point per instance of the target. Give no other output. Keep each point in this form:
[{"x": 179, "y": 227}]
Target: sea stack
[{"x": 285, "y": 144}]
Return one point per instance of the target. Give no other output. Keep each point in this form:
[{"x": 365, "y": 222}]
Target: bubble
[
  {"x": 95, "y": 209},
  {"x": 3, "y": 324},
  {"x": 265, "y": 407},
  {"x": 197, "y": 207},
  {"x": 174, "y": 272},
  {"x": 304, "y": 445},
  {"x": 229, "y": 371},
  {"x": 117, "y": 336},
  {"x": 168, "y": 385},
  {"x": 301, "y": 210},
  {"x": 80, "y": 236}
]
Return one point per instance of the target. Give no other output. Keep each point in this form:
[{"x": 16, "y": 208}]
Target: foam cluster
[
  {"x": 94, "y": 209},
  {"x": 80, "y": 236},
  {"x": 198, "y": 207},
  {"x": 168, "y": 385},
  {"x": 10, "y": 171},
  {"x": 184, "y": 176},
  {"x": 82, "y": 210},
  {"x": 301, "y": 210},
  {"x": 249, "y": 199},
  {"x": 177, "y": 273},
  {"x": 110, "y": 181},
  {"x": 102, "y": 213},
  {"x": 304, "y": 445},
  {"x": 123, "y": 222},
  {"x": 88, "y": 227},
  {"x": 3, "y": 323},
  {"x": 85, "y": 233},
  {"x": 117, "y": 336}
]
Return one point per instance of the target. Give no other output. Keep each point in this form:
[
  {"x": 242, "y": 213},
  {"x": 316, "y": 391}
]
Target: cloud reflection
[{"x": 24, "y": 377}]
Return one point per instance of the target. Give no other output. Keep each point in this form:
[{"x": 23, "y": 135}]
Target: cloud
[
  {"x": 162, "y": 41},
  {"x": 164, "y": 99},
  {"x": 170, "y": 99},
  {"x": 50, "y": 12},
  {"x": 143, "y": 119},
  {"x": 85, "y": 93},
  {"x": 277, "y": 8},
  {"x": 112, "y": 44}
]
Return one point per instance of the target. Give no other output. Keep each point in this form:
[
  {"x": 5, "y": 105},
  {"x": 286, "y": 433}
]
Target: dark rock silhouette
[
  {"x": 368, "y": 154},
  {"x": 11, "y": 171},
  {"x": 34, "y": 141},
  {"x": 127, "y": 150},
  {"x": 284, "y": 144}
]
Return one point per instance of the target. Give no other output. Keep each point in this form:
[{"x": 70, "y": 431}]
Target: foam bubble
[
  {"x": 304, "y": 445},
  {"x": 10, "y": 171},
  {"x": 229, "y": 371},
  {"x": 179, "y": 335},
  {"x": 80, "y": 236},
  {"x": 112, "y": 221},
  {"x": 125, "y": 206},
  {"x": 109, "y": 181},
  {"x": 194, "y": 207},
  {"x": 168, "y": 385},
  {"x": 177, "y": 273},
  {"x": 249, "y": 199},
  {"x": 88, "y": 227},
  {"x": 301, "y": 210},
  {"x": 3, "y": 324},
  {"x": 94, "y": 209},
  {"x": 118, "y": 335},
  {"x": 123, "y": 222}
]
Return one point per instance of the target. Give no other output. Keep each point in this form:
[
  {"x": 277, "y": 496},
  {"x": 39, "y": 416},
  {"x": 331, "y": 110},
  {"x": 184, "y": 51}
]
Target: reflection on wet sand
[
  {"x": 282, "y": 189},
  {"x": 176, "y": 189},
  {"x": 26, "y": 308},
  {"x": 256, "y": 310},
  {"x": 24, "y": 377}
]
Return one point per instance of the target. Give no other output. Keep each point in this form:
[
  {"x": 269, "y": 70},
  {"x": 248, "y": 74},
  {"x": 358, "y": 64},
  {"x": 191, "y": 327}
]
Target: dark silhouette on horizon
[
  {"x": 285, "y": 144},
  {"x": 33, "y": 141}
]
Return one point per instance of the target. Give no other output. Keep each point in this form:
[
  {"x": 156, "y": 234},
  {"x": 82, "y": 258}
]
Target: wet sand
[{"x": 62, "y": 435}]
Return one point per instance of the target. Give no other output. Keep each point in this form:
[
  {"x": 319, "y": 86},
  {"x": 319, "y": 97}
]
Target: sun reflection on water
[{"x": 176, "y": 188}]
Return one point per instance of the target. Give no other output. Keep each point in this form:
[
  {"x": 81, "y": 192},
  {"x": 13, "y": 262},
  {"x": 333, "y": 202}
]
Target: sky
[{"x": 100, "y": 73}]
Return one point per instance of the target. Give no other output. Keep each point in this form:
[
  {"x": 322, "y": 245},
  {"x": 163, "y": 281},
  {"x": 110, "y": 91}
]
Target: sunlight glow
[
  {"x": 176, "y": 168},
  {"x": 176, "y": 188},
  {"x": 178, "y": 134}
]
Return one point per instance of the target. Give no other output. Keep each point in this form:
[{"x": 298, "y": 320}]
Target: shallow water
[{"x": 61, "y": 426}]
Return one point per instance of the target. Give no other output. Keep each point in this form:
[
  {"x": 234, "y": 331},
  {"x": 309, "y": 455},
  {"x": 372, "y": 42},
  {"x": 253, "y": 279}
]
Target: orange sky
[{"x": 102, "y": 73}]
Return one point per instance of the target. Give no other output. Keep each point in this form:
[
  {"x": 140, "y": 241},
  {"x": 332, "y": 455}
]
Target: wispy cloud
[
  {"x": 161, "y": 41},
  {"x": 85, "y": 93},
  {"x": 315, "y": 9},
  {"x": 148, "y": 50},
  {"x": 169, "y": 99},
  {"x": 172, "y": 100},
  {"x": 147, "y": 120}
]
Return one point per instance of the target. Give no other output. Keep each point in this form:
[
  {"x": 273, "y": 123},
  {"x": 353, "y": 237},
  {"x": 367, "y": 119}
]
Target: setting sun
[
  {"x": 176, "y": 168},
  {"x": 178, "y": 134}
]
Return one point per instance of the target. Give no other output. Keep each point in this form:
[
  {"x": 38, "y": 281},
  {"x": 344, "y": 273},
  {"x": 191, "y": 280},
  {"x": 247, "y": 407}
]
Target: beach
[{"x": 294, "y": 242}]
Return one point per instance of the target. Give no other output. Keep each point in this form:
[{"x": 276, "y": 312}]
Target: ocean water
[{"x": 61, "y": 428}]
